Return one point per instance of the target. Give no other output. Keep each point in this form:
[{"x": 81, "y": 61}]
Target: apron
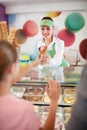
[{"x": 51, "y": 52}]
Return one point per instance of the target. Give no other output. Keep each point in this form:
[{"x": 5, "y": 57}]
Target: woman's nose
[{"x": 45, "y": 30}]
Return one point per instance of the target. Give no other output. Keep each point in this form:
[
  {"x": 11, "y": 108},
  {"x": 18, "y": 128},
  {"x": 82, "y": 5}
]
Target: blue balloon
[{"x": 11, "y": 18}]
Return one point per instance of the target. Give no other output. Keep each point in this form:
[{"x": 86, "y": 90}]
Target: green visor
[{"x": 45, "y": 22}]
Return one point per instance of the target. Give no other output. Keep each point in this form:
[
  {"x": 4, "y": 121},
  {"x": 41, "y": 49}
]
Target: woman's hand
[
  {"x": 53, "y": 91},
  {"x": 42, "y": 59},
  {"x": 42, "y": 49}
]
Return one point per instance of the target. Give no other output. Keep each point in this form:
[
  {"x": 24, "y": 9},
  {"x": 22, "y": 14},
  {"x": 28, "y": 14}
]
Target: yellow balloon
[{"x": 53, "y": 14}]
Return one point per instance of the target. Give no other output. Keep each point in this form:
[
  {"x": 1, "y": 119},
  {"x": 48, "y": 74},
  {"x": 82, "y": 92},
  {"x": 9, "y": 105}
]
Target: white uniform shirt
[{"x": 59, "y": 48}]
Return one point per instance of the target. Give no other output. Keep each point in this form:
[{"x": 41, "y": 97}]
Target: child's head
[{"x": 8, "y": 57}]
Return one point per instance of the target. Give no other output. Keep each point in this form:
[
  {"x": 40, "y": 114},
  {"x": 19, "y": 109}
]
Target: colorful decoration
[
  {"x": 53, "y": 14},
  {"x": 83, "y": 48},
  {"x": 5, "y": 33},
  {"x": 74, "y": 22},
  {"x": 24, "y": 59},
  {"x": 30, "y": 28},
  {"x": 67, "y": 37},
  {"x": 11, "y": 18},
  {"x": 20, "y": 36}
]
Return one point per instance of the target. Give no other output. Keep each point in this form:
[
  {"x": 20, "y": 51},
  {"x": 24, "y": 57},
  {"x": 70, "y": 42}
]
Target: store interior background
[
  {"x": 19, "y": 11},
  {"x": 16, "y": 13}
]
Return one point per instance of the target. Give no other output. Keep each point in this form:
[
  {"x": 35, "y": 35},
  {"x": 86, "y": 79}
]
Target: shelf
[{"x": 43, "y": 83}]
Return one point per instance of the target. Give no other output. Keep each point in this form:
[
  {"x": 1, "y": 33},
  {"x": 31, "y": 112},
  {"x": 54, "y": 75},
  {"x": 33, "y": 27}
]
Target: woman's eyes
[{"x": 45, "y": 29}]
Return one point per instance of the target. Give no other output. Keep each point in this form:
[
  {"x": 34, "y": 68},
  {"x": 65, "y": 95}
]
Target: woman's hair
[
  {"x": 47, "y": 18},
  {"x": 8, "y": 55}
]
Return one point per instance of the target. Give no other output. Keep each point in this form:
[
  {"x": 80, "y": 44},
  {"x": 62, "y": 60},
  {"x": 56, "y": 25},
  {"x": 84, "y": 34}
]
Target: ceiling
[
  {"x": 26, "y": 6},
  {"x": 24, "y": 2}
]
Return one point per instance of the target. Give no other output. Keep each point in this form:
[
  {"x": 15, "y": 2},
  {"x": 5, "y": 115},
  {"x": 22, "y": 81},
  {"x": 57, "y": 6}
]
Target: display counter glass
[
  {"x": 66, "y": 75},
  {"x": 32, "y": 88}
]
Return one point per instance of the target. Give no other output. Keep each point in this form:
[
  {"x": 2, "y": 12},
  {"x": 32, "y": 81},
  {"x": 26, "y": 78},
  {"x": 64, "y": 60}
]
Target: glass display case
[
  {"x": 66, "y": 75},
  {"x": 32, "y": 88}
]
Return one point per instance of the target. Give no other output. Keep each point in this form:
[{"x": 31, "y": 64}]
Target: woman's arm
[{"x": 53, "y": 91}]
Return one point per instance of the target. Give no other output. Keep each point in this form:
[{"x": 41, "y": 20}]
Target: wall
[
  {"x": 2, "y": 13},
  {"x": 30, "y": 47},
  {"x": 26, "y": 7}
]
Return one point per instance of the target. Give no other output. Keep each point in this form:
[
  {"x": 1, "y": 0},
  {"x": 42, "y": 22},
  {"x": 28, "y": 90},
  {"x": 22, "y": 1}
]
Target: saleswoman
[{"x": 54, "y": 46}]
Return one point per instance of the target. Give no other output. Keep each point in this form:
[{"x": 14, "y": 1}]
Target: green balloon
[{"x": 74, "y": 22}]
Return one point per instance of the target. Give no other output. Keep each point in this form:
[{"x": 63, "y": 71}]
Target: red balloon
[
  {"x": 30, "y": 28},
  {"x": 83, "y": 48},
  {"x": 67, "y": 37}
]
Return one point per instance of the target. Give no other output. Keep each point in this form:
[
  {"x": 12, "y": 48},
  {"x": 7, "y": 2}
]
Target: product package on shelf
[
  {"x": 67, "y": 114},
  {"x": 17, "y": 91},
  {"x": 34, "y": 94},
  {"x": 69, "y": 95},
  {"x": 58, "y": 118}
]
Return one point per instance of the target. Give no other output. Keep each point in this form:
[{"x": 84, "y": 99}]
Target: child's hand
[{"x": 53, "y": 90}]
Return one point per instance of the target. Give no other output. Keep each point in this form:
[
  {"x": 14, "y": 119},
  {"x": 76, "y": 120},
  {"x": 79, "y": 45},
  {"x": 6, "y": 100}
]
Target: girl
[{"x": 18, "y": 114}]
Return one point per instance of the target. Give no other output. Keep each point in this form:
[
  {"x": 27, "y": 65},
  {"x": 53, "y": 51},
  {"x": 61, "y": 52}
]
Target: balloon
[
  {"x": 21, "y": 38},
  {"x": 30, "y": 28},
  {"x": 67, "y": 37},
  {"x": 11, "y": 18},
  {"x": 74, "y": 22},
  {"x": 83, "y": 48},
  {"x": 53, "y": 14}
]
